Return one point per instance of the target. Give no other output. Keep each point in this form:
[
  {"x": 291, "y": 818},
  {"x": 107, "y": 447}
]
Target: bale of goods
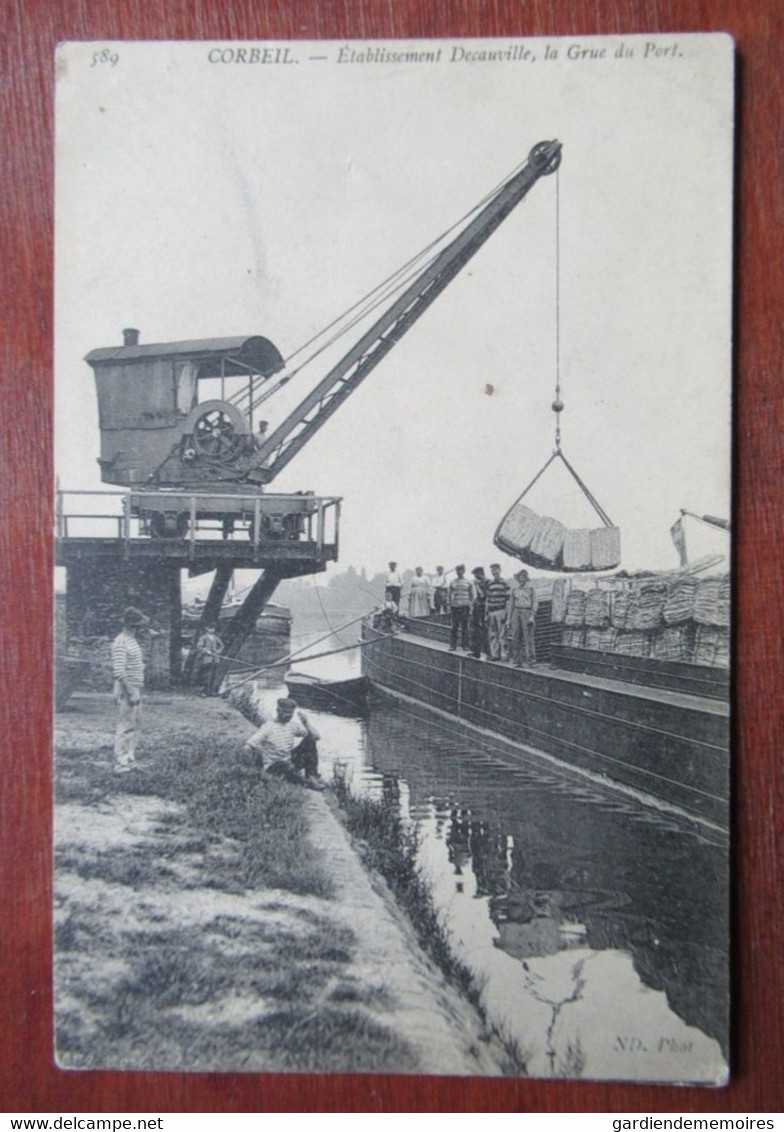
[
  {"x": 679, "y": 606},
  {"x": 602, "y": 640},
  {"x": 546, "y": 546},
  {"x": 621, "y": 608},
  {"x": 605, "y": 548},
  {"x": 712, "y": 646},
  {"x": 725, "y": 594},
  {"x": 633, "y": 644},
  {"x": 516, "y": 530},
  {"x": 676, "y": 642},
  {"x": 573, "y": 638},
  {"x": 558, "y": 606},
  {"x": 597, "y": 609},
  {"x": 712, "y": 606},
  {"x": 575, "y": 609},
  {"x": 648, "y": 605},
  {"x": 577, "y": 550}
]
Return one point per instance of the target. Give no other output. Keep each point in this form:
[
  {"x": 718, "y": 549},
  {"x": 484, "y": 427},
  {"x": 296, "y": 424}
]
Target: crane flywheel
[{"x": 218, "y": 431}]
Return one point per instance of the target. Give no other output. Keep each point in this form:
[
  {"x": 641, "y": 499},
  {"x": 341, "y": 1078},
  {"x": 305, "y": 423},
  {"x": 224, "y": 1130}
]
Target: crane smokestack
[{"x": 130, "y": 337}]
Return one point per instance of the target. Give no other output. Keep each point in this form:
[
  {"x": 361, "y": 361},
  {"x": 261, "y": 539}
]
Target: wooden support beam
[
  {"x": 218, "y": 591},
  {"x": 244, "y": 620},
  {"x": 175, "y": 626}
]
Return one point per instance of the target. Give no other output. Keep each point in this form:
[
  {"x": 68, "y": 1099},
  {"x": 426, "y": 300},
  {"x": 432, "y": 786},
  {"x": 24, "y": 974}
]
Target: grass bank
[
  {"x": 195, "y": 923},
  {"x": 222, "y": 796}
]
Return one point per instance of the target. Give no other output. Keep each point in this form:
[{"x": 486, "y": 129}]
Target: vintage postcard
[{"x": 393, "y": 393}]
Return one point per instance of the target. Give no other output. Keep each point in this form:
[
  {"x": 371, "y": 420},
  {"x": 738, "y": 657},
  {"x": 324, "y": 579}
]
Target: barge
[{"x": 657, "y": 727}]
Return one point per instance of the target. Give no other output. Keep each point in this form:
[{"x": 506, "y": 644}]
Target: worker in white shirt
[
  {"x": 394, "y": 583},
  {"x": 287, "y": 745},
  {"x": 128, "y": 673}
]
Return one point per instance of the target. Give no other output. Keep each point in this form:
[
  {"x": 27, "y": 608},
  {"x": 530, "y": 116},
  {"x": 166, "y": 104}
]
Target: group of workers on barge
[{"x": 490, "y": 617}]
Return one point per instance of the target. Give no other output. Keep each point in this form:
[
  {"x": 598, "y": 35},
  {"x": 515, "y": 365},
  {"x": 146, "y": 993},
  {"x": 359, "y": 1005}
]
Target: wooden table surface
[{"x": 29, "y": 1080}]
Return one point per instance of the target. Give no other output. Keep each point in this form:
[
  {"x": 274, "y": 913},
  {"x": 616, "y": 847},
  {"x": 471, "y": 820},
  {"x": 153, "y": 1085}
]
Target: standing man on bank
[
  {"x": 128, "y": 673},
  {"x": 523, "y": 604}
]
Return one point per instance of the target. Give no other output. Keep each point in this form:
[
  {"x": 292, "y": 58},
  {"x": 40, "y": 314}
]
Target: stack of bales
[
  {"x": 712, "y": 617},
  {"x": 574, "y": 619},
  {"x": 667, "y": 617},
  {"x": 599, "y": 633}
]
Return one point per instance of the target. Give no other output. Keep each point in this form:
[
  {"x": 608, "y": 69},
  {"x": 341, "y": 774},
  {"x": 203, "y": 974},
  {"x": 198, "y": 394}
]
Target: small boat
[
  {"x": 273, "y": 619},
  {"x": 340, "y": 697}
]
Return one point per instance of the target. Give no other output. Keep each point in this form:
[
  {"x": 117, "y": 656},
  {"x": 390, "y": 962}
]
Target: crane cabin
[
  {"x": 180, "y": 414},
  {"x": 181, "y": 420}
]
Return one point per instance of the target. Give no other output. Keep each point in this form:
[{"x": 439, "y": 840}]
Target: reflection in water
[{"x": 596, "y": 925}]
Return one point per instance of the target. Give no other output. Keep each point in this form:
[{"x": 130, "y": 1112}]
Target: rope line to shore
[{"x": 313, "y": 656}]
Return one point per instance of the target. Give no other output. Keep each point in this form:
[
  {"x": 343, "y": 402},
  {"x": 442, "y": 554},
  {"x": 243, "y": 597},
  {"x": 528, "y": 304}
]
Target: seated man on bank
[{"x": 287, "y": 746}]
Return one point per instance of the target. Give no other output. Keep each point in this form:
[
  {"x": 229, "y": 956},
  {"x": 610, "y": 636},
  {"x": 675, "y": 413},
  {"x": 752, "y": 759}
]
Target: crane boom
[{"x": 344, "y": 377}]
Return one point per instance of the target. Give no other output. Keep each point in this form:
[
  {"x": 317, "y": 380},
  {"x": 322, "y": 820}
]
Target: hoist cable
[
  {"x": 557, "y": 405},
  {"x": 588, "y": 494},
  {"x": 557, "y": 309}
]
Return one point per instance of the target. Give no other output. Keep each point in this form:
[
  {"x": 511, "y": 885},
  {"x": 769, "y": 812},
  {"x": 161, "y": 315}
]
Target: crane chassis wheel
[{"x": 168, "y": 524}]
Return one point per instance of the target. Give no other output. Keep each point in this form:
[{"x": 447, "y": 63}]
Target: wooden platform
[{"x": 294, "y": 558}]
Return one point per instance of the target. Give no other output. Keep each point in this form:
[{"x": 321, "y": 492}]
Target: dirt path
[{"x": 168, "y": 958}]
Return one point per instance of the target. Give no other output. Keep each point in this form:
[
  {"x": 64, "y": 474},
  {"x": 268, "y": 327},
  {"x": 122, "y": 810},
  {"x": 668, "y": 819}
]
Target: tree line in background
[{"x": 351, "y": 591}]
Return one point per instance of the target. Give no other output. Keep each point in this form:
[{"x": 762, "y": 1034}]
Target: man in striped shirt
[
  {"x": 497, "y": 601},
  {"x": 128, "y": 672},
  {"x": 461, "y": 599}
]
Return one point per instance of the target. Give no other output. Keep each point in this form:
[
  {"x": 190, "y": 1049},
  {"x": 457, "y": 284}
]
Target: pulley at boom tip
[{"x": 545, "y": 157}]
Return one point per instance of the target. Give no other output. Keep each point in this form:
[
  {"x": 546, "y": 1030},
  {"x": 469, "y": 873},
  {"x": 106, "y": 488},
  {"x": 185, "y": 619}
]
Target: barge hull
[{"x": 670, "y": 745}]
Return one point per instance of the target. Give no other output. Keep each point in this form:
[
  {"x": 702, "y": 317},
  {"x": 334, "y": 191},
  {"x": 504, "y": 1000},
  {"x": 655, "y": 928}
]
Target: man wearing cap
[
  {"x": 461, "y": 599},
  {"x": 394, "y": 583},
  {"x": 128, "y": 673},
  {"x": 440, "y": 590},
  {"x": 477, "y": 629},
  {"x": 497, "y": 601},
  {"x": 523, "y": 603},
  {"x": 287, "y": 745},
  {"x": 207, "y": 658}
]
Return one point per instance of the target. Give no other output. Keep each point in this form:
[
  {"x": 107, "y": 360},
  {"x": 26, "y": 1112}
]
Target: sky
[{"x": 200, "y": 196}]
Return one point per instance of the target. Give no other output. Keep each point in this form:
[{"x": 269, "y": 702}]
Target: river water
[{"x": 596, "y": 924}]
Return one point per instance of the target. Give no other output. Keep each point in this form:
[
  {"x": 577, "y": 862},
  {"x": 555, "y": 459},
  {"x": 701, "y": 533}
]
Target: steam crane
[{"x": 163, "y": 442}]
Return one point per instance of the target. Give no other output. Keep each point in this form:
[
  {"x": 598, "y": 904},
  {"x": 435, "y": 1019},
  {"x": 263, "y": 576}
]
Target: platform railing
[{"x": 114, "y": 515}]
